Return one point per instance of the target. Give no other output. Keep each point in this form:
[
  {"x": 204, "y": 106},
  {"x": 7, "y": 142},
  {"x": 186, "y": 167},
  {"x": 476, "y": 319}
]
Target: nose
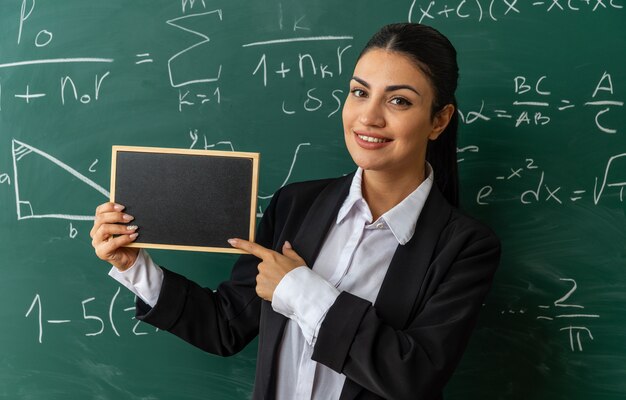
[{"x": 372, "y": 115}]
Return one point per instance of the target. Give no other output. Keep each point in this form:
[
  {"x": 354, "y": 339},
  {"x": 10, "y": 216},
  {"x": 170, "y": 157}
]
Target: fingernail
[
  {"x": 134, "y": 236},
  {"x": 128, "y": 217},
  {"x": 287, "y": 244},
  {"x": 131, "y": 227},
  {"x": 232, "y": 242},
  {"x": 118, "y": 207}
]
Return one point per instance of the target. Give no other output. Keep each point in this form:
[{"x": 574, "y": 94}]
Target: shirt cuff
[
  {"x": 305, "y": 297},
  {"x": 144, "y": 278}
]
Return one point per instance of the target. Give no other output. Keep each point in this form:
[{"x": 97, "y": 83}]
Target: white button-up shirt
[{"x": 355, "y": 257}]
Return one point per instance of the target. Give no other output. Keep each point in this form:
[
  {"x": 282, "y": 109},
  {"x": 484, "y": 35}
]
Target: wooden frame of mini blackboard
[{"x": 222, "y": 155}]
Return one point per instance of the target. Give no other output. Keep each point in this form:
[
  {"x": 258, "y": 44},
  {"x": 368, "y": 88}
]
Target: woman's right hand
[{"x": 110, "y": 233}]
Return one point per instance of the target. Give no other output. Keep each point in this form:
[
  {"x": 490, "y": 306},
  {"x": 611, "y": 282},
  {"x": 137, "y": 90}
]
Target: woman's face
[{"x": 387, "y": 115}]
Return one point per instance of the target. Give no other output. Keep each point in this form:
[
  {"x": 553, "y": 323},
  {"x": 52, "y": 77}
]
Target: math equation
[
  {"x": 611, "y": 181},
  {"x": 533, "y": 104},
  {"x": 97, "y": 322},
  {"x": 574, "y": 318},
  {"x": 428, "y": 11}
]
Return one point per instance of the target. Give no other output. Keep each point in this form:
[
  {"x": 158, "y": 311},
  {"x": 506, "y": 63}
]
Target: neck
[{"x": 382, "y": 191}]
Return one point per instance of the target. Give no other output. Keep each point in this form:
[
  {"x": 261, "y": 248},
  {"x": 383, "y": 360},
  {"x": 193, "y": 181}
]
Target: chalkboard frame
[{"x": 253, "y": 157}]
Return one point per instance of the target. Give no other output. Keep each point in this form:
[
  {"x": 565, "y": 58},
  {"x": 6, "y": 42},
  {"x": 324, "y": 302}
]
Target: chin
[{"x": 367, "y": 165}]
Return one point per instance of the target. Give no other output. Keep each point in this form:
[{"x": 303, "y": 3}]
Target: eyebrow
[{"x": 389, "y": 88}]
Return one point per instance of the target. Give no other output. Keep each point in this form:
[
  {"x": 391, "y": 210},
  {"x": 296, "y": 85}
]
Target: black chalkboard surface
[{"x": 186, "y": 199}]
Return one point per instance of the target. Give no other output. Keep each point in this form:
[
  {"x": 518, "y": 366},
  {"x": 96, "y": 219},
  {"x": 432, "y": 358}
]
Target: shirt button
[{"x": 380, "y": 225}]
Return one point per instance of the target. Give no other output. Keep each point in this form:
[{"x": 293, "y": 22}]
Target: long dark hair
[{"x": 436, "y": 57}]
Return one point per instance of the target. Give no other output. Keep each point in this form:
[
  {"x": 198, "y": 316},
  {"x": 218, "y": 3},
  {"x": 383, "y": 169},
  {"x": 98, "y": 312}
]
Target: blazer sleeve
[
  {"x": 416, "y": 361},
  {"x": 223, "y": 321}
]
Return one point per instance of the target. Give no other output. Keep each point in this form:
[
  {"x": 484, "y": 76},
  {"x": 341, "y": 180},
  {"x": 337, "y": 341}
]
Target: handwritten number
[
  {"x": 36, "y": 300},
  {"x": 92, "y": 317},
  {"x": 559, "y": 302}
]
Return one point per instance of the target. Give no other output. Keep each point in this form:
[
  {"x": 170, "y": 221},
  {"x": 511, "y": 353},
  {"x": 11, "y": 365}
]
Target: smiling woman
[
  {"x": 365, "y": 286},
  {"x": 435, "y": 73},
  {"x": 388, "y": 123}
]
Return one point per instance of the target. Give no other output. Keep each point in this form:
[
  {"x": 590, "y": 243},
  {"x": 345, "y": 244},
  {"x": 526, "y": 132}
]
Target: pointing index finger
[{"x": 250, "y": 247}]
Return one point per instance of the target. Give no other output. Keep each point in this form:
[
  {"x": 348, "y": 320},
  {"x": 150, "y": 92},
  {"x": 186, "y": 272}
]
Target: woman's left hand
[{"x": 274, "y": 266}]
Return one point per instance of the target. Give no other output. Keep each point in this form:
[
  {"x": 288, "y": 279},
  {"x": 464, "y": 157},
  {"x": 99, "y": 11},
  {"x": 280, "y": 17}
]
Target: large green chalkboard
[{"x": 542, "y": 155}]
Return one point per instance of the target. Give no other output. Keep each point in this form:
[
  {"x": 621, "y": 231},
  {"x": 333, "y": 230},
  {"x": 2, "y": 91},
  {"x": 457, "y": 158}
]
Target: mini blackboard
[{"x": 186, "y": 199}]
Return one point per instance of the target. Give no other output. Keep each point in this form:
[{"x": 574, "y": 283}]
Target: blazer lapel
[
  {"x": 310, "y": 237},
  {"x": 307, "y": 243},
  {"x": 411, "y": 261}
]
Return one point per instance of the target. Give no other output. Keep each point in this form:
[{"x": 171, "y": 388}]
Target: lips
[{"x": 370, "y": 140}]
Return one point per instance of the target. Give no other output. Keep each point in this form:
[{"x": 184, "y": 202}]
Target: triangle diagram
[{"x": 45, "y": 187}]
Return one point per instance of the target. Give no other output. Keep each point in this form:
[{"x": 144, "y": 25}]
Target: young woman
[{"x": 360, "y": 287}]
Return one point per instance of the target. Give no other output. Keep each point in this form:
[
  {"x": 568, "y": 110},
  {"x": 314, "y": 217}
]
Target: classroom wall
[{"x": 542, "y": 158}]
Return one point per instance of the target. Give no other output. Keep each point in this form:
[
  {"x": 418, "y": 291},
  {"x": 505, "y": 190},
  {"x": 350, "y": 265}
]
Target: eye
[
  {"x": 400, "y": 101},
  {"x": 356, "y": 92}
]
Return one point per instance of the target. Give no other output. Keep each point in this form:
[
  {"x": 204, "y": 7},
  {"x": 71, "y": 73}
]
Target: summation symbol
[{"x": 177, "y": 23}]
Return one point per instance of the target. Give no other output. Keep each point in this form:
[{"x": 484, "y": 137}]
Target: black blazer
[{"x": 405, "y": 346}]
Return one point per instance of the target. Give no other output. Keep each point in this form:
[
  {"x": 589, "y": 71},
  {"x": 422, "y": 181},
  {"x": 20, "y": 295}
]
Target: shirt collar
[
  {"x": 355, "y": 198},
  {"x": 402, "y": 218}
]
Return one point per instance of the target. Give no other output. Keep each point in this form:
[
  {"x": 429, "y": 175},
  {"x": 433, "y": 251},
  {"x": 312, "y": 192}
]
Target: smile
[{"x": 372, "y": 139}]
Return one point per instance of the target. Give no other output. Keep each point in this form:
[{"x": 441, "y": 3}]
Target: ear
[{"x": 441, "y": 121}]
